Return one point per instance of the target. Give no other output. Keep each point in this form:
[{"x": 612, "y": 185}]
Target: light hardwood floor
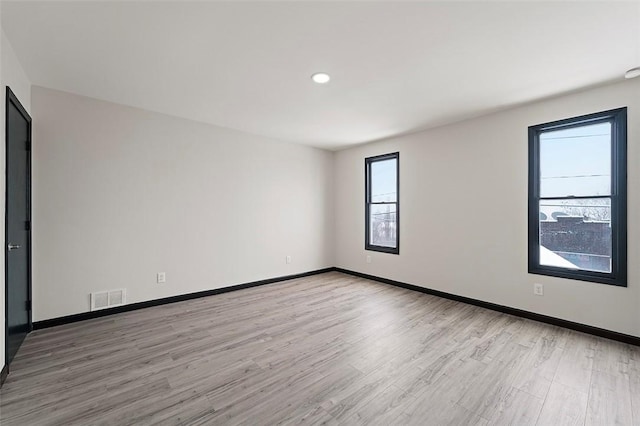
[{"x": 331, "y": 349}]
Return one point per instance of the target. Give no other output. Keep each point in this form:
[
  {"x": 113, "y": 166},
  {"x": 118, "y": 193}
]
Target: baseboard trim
[
  {"x": 601, "y": 332},
  {"x": 53, "y": 322},
  {"x": 3, "y": 374}
]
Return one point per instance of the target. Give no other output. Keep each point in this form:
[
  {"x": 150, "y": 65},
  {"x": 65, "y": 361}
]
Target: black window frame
[
  {"x": 367, "y": 177},
  {"x": 618, "y": 275}
]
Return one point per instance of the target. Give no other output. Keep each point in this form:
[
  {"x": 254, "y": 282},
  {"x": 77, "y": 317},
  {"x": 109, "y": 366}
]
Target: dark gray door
[{"x": 18, "y": 225}]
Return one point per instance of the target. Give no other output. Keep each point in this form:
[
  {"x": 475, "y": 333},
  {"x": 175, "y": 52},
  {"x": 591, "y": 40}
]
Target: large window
[
  {"x": 382, "y": 203},
  {"x": 578, "y": 198}
]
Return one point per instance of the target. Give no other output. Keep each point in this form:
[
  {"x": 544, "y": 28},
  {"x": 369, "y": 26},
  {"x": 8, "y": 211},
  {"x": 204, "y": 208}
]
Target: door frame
[{"x": 12, "y": 100}]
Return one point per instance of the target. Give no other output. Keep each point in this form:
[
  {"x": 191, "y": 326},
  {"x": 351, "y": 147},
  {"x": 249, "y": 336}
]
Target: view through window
[
  {"x": 382, "y": 206},
  {"x": 578, "y": 196}
]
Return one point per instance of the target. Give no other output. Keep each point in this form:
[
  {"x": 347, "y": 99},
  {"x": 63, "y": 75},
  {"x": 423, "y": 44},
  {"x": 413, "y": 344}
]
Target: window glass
[
  {"x": 383, "y": 181},
  {"x": 578, "y": 199},
  {"x": 576, "y": 161},
  {"x": 382, "y": 204}
]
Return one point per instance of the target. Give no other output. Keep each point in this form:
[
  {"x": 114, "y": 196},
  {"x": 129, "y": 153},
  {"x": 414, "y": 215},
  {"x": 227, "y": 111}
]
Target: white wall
[
  {"x": 12, "y": 75},
  {"x": 463, "y": 217},
  {"x": 121, "y": 194}
]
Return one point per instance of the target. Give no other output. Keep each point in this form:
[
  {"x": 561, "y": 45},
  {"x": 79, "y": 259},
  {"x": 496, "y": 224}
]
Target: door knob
[{"x": 13, "y": 247}]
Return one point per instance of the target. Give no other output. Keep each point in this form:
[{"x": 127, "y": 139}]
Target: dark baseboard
[
  {"x": 3, "y": 374},
  {"x": 601, "y": 332},
  {"x": 141, "y": 305}
]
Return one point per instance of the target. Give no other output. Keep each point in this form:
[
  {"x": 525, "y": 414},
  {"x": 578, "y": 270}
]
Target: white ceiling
[{"x": 395, "y": 67}]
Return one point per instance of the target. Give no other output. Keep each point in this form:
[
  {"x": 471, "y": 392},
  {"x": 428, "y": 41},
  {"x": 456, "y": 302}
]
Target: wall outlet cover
[{"x": 538, "y": 289}]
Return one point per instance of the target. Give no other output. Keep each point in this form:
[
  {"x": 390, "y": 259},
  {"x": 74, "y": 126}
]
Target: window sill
[
  {"x": 594, "y": 277},
  {"x": 382, "y": 249}
]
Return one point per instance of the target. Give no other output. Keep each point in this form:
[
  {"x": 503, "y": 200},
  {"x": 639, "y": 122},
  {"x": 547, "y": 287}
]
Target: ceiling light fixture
[
  {"x": 632, "y": 73},
  {"x": 321, "y": 77}
]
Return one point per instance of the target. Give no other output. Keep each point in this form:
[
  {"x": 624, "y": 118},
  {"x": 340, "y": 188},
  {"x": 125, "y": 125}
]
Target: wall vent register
[{"x": 108, "y": 299}]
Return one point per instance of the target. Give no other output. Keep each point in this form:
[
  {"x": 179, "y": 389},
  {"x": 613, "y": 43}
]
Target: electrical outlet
[
  {"x": 538, "y": 289},
  {"x": 368, "y": 259},
  {"x": 161, "y": 277},
  {"x": 288, "y": 259}
]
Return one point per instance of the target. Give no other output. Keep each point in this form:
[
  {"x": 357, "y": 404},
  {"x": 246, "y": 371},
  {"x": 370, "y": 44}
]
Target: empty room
[{"x": 320, "y": 212}]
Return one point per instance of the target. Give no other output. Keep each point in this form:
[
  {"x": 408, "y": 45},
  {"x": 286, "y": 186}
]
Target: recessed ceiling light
[
  {"x": 321, "y": 77},
  {"x": 632, "y": 73}
]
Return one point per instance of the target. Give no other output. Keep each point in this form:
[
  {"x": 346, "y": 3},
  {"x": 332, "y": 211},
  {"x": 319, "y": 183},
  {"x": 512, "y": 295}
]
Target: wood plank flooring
[{"x": 328, "y": 349}]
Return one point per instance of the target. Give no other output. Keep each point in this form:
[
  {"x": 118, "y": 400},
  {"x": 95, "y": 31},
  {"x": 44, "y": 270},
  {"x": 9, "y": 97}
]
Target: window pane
[
  {"x": 383, "y": 225},
  {"x": 576, "y": 234},
  {"x": 383, "y": 181},
  {"x": 576, "y": 161}
]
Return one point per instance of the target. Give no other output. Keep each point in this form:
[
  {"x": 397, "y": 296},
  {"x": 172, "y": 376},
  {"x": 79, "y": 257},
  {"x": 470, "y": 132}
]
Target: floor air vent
[{"x": 107, "y": 299}]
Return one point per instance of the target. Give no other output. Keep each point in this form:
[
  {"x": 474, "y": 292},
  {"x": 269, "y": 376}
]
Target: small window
[
  {"x": 578, "y": 198},
  {"x": 382, "y": 176}
]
